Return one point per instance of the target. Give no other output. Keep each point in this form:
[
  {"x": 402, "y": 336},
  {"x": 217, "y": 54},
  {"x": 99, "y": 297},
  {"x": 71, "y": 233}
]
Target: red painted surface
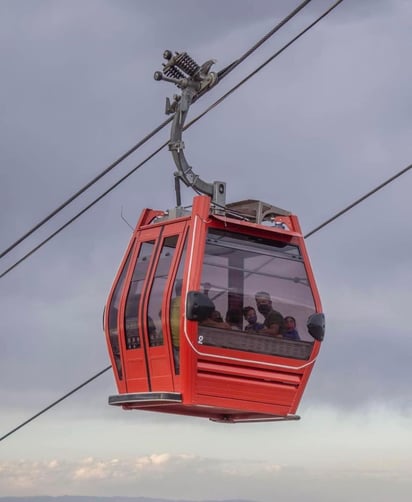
[{"x": 214, "y": 382}]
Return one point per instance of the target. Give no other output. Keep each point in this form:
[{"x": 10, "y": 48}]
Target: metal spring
[
  {"x": 186, "y": 63},
  {"x": 173, "y": 72}
]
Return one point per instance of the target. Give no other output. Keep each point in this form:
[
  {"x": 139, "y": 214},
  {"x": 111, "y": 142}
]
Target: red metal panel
[
  {"x": 240, "y": 387},
  {"x": 134, "y": 360},
  {"x": 318, "y": 307},
  {"x": 160, "y": 358},
  {"x": 192, "y": 274},
  {"x": 233, "y": 405},
  {"x": 243, "y": 389},
  {"x": 121, "y": 383},
  {"x": 252, "y": 373},
  {"x": 215, "y": 381}
]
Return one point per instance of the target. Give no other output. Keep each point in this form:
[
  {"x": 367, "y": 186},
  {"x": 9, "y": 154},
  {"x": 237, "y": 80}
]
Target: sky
[{"x": 320, "y": 126}]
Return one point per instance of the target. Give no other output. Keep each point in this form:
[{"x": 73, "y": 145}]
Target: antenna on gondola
[{"x": 194, "y": 80}]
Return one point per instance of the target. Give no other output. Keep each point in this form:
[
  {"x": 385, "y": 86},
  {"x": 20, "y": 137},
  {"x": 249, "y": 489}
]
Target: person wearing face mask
[
  {"x": 274, "y": 323},
  {"x": 252, "y": 326}
]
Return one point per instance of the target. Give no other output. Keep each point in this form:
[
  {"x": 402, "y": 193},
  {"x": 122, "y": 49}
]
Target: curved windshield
[
  {"x": 112, "y": 317},
  {"x": 260, "y": 288}
]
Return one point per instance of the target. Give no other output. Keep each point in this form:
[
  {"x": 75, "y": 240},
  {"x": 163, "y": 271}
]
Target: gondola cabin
[{"x": 180, "y": 318}]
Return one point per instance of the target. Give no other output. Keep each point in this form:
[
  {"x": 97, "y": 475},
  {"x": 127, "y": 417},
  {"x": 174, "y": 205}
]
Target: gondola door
[{"x": 147, "y": 350}]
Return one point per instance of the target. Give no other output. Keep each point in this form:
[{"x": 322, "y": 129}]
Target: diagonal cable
[
  {"x": 221, "y": 75},
  {"x": 54, "y": 403},
  {"x": 319, "y": 227},
  {"x": 358, "y": 201},
  {"x": 87, "y": 186},
  {"x": 69, "y": 222},
  {"x": 259, "y": 68},
  {"x": 253, "y": 73},
  {"x": 154, "y": 153}
]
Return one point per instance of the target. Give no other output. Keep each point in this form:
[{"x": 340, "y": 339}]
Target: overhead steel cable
[
  {"x": 285, "y": 20},
  {"x": 69, "y": 222},
  {"x": 254, "y": 72},
  {"x": 217, "y": 102},
  {"x": 358, "y": 201},
  {"x": 312, "y": 232},
  {"x": 222, "y": 74},
  {"x": 87, "y": 186},
  {"x": 54, "y": 403}
]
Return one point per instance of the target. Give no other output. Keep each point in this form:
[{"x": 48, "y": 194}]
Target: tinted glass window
[
  {"x": 174, "y": 313},
  {"x": 154, "y": 313},
  {"x": 236, "y": 267},
  {"x": 112, "y": 318},
  {"x": 131, "y": 326}
]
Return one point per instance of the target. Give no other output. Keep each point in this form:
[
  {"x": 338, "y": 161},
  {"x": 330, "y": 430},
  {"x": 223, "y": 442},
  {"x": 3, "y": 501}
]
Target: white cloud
[{"x": 182, "y": 473}]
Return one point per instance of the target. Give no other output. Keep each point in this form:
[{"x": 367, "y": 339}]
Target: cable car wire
[
  {"x": 285, "y": 20},
  {"x": 358, "y": 201},
  {"x": 189, "y": 124},
  {"x": 54, "y": 403},
  {"x": 87, "y": 186},
  {"x": 134, "y": 148},
  {"x": 312, "y": 232},
  {"x": 69, "y": 222},
  {"x": 254, "y": 72}
]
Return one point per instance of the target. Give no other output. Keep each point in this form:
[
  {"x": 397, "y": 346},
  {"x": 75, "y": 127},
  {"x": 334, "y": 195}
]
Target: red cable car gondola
[{"x": 175, "y": 319}]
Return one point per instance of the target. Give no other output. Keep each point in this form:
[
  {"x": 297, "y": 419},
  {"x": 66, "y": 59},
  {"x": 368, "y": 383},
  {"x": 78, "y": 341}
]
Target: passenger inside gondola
[
  {"x": 252, "y": 326},
  {"x": 291, "y": 332},
  {"x": 274, "y": 323},
  {"x": 215, "y": 320},
  {"x": 235, "y": 268}
]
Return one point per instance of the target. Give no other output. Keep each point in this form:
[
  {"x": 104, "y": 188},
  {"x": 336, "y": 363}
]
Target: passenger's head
[
  {"x": 263, "y": 302},
  {"x": 216, "y": 316},
  {"x": 249, "y": 313},
  {"x": 290, "y": 323}
]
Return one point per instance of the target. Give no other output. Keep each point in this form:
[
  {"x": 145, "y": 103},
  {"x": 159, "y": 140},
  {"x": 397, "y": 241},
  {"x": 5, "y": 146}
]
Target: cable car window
[
  {"x": 112, "y": 318},
  {"x": 235, "y": 268},
  {"x": 154, "y": 309},
  {"x": 131, "y": 325},
  {"x": 174, "y": 313}
]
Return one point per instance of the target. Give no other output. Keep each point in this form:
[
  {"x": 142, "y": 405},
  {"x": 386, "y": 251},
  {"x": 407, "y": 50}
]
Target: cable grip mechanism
[{"x": 194, "y": 80}]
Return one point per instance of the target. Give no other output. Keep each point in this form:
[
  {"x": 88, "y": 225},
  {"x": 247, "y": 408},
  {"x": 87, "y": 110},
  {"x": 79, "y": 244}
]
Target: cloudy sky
[{"x": 320, "y": 126}]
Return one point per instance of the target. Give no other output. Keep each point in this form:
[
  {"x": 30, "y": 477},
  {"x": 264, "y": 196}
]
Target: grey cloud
[
  {"x": 358, "y": 369},
  {"x": 319, "y": 127}
]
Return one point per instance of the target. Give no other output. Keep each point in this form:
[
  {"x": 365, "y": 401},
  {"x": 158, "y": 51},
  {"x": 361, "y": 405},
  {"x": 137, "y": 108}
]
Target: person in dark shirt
[
  {"x": 252, "y": 326},
  {"x": 291, "y": 332},
  {"x": 274, "y": 323}
]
